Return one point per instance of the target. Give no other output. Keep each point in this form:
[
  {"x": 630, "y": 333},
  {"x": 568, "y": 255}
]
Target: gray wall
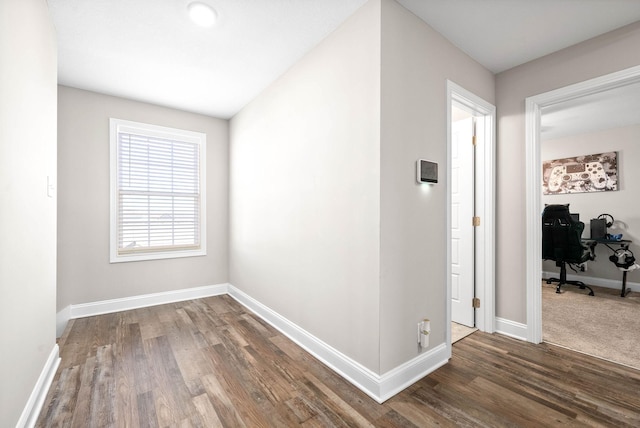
[
  {"x": 328, "y": 226},
  {"x": 602, "y": 55},
  {"x": 622, "y": 204},
  {"x": 84, "y": 272},
  {"x": 416, "y": 62},
  {"x": 304, "y": 205},
  {"x": 27, "y": 216}
]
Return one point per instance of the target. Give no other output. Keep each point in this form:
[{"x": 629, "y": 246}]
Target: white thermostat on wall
[{"x": 427, "y": 171}]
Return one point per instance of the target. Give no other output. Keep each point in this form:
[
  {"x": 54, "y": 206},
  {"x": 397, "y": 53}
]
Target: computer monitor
[{"x": 575, "y": 216}]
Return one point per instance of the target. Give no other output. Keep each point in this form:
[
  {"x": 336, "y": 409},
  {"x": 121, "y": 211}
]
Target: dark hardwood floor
[{"x": 210, "y": 362}]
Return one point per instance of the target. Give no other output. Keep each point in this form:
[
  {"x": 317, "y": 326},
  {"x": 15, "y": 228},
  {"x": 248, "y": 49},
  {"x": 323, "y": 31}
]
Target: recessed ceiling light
[{"x": 202, "y": 14}]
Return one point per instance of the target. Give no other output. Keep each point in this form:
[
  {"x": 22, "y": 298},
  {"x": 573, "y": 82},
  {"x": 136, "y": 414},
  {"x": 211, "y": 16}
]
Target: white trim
[
  {"x": 405, "y": 375},
  {"x": 533, "y": 184},
  {"x": 485, "y": 207},
  {"x": 62, "y": 319},
  {"x": 615, "y": 284},
  {"x": 511, "y": 328},
  {"x": 142, "y": 301},
  {"x": 36, "y": 399},
  {"x": 378, "y": 387},
  {"x": 533, "y": 235}
]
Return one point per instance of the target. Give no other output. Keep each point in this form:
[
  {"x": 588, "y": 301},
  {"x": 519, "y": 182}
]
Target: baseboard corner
[
  {"x": 405, "y": 375},
  {"x": 62, "y": 319},
  {"x": 379, "y": 388}
]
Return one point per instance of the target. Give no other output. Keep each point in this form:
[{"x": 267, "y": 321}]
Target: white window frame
[{"x": 117, "y": 126}]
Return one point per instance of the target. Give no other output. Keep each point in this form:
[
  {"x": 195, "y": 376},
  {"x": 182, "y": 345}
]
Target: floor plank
[{"x": 211, "y": 363}]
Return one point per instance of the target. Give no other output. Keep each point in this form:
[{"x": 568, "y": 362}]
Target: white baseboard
[
  {"x": 591, "y": 280},
  {"x": 405, "y": 375},
  {"x": 62, "y": 319},
  {"x": 36, "y": 400},
  {"x": 116, "y": 305},
  {"x": 511, "y": 328},
  {"x": 378, "y": 387}
]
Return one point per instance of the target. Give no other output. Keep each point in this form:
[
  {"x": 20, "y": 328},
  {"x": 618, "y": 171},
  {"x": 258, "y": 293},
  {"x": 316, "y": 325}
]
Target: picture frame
[{"x": 580, "y": 174}]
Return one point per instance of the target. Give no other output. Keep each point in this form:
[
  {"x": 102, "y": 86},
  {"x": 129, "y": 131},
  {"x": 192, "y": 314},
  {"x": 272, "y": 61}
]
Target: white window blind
[{"x": 158, "y": 192}]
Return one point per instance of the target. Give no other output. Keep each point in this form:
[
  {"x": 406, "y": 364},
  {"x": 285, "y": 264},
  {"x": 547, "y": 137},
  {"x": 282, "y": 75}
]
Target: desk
[{"x": 622, "y": 244}]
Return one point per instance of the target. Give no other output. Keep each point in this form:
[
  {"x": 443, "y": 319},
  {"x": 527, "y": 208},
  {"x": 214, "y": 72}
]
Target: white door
[{"x": 462, "y": 211}]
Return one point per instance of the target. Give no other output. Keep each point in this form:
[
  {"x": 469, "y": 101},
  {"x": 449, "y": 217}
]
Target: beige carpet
[
  {"x": 604, "y": 325},
  {"x": 459, "y": 331}
]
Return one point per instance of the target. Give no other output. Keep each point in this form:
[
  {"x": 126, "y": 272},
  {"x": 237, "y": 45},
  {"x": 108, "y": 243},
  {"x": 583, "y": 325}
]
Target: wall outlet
[{"x": 424, "y": 330}]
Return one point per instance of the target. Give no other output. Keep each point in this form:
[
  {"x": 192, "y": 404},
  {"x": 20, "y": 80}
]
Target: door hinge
[
  {"x": 476, "y": 221},
  {"x": 475, "y": 302},
  {"x": 473, "y": 140}
]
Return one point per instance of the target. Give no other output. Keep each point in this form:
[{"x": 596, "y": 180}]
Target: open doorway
[
  {"x": 463, "y": 287},
  {"x": 470, "y": 204},
  {"x": 535, "y": 108}
]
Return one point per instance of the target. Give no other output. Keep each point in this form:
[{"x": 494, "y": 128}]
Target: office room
[
  {"x": 588, "y": 133},
  {"x": 317, "y": 258}
]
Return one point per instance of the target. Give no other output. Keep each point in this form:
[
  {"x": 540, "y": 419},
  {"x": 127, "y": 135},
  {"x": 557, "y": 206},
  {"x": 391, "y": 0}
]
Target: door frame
[
  {"x": 485, "y": 206},
  {"x": 533, "y": 111}
]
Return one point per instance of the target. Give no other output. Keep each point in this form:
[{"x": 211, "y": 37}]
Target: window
[{"x": 157, "y": 192}]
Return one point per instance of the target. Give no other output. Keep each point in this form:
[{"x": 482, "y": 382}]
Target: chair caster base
[{"x": 578, "y": 284}]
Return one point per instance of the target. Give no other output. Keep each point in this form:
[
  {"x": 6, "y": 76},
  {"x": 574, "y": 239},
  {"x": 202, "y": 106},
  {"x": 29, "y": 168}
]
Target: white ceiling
[
  {"x": 501, "y": 34},
  {"x": 615, "y": 108},
  {"x": 148, "y": 50}
]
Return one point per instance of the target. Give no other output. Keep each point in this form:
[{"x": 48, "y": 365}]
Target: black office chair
[{"x": 561, "y": 242}]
